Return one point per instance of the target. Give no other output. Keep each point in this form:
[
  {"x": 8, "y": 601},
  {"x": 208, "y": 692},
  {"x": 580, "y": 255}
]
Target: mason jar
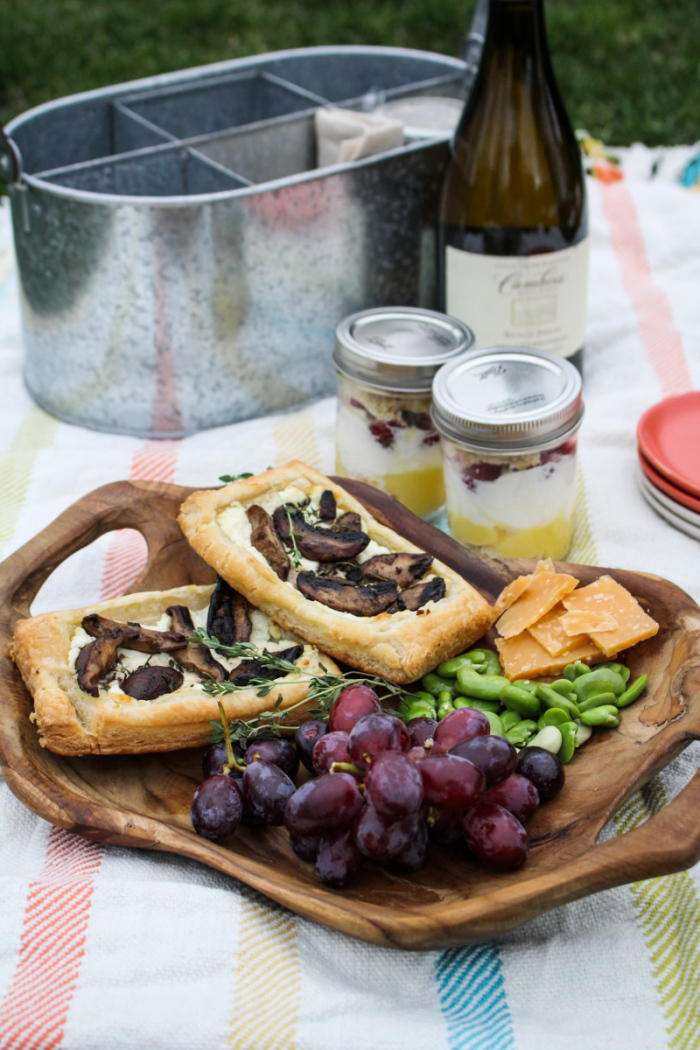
[
  {"x": 508, "y": 420},
  {"x": 385, "y": 361}
]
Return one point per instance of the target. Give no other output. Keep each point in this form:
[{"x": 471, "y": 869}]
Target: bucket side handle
[{"x": 10, "y": 159}]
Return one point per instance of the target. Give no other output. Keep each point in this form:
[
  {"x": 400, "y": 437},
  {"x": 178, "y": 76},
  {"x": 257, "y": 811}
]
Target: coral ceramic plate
[{"x": 668, "y": 435}]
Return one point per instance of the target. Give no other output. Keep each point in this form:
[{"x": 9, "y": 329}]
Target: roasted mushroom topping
[
  {"x": 349, "y": 522},
  {"x": 149, "y": 682},
  {"x": 403, "y": 569},
  {"x": 97, "y": 659},
  {"x": 228, "y": 618},
  {"x": 327, "y": 507},
  {"x": 144, "y": 639},
  {"x": 317, "y": 544},
  {"x": 249, "y": 670},
  {"x": 358, "y": 599},
  {"x": 416, "y": 596},
  {"x": 194, "y": 657},
  {"x": 265, "y": 539},
  {"x": 342, "y": 570}
]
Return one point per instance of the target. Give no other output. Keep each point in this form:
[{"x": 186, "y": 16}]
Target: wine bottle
[{"x": 513, "y": 230}]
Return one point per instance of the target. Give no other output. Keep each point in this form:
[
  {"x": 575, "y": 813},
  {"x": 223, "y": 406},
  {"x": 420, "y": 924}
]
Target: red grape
[
  {"x": 394, "y": 786},
  {"x": 445, "y": 825},
  {"x": 413, "y": 856},
  {"x": 381, "y": 839},
  {"x": 421, "y": 729},
  {"x": 416, "y": 754},
  {"x": 352, "y": 704},
  {"x": 305, "y": 847},
  {"x": 493, "y": 755},
  {"x": 333, "y": 747},
  {"x": 495, "y": 837},
  {"x": 217, "y": 807},
  {"x": 324, "y": 805},
  {"x": 215, "y": 757},
  {"x": 374, "y": 734},
  {"x": 460, "y": 725},
  {"x": 517, "y": 794},
  {"x": 267, "y": 790},
  {"x": 306, "y": 736},
  {"x": 544, "y": 770},
  {"x": 338, "y": 858},
  {"x": 451, "y": 782},
  {"x": 276, "y": 750}
]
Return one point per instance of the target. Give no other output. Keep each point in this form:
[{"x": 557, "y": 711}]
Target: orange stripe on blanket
[
  {"x": 34, "y": 1011},
  {"x": 660, "y": 337},
  {"x": 35, "y": 1008}
]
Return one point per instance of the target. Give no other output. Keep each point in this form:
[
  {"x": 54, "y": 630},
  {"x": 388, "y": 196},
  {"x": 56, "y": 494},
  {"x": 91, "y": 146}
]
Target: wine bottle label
[{"x": 535, "y": 300}]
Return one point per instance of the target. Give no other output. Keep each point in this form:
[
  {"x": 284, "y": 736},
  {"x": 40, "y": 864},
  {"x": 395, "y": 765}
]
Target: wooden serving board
[{"x": 144, "y": 801}]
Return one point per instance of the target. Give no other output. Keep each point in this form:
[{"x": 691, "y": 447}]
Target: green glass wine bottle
[{"x": 513, "y": 229}]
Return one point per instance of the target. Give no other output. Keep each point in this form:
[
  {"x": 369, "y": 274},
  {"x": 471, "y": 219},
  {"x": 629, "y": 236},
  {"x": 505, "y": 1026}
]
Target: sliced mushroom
[
  {"x": 317, "y": 544},
  {"x": 358, "y": 599},
  {"x": 149, "y": 682},
  {"x": 416, "y": 596},
  {"x": 251, "y": 669},
  {"x": 349, "y": 522},
  {"x": 228, "y": 618},
  {"x": 342, "y": 570},
  {"x": 194, "y": 657},
  {"x": 403, "y": 569},
  {"x": 265, "y": 539},
  {"x": 327, "y": 508},
  {"x": 97, "y": 659},
  {"x": 144, "y": 640}
]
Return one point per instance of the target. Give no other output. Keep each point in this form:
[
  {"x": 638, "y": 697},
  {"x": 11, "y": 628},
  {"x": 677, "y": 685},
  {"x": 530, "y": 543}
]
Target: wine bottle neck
[{"x": 516, "y": 28}]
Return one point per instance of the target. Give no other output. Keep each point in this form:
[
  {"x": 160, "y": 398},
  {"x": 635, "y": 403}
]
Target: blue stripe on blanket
[{"x": 473, "y": 999}]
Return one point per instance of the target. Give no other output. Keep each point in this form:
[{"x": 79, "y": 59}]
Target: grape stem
[
  {"x": 346, "y": 767},
  {"x": 232, "y": 763}
]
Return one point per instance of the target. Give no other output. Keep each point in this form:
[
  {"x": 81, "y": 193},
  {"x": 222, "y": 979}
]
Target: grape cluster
[{"x": 381, "y": 789}]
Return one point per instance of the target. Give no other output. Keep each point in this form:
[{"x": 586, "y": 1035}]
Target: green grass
[{"x": 628, "y": 69}]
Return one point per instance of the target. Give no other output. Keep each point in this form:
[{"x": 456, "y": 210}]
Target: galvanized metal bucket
[{"x": 184, "y": 264}]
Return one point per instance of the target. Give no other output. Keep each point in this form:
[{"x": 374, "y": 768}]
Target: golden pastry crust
[
  {"x": 71, "y": 722},
  {"x": 400, "y": 646}
]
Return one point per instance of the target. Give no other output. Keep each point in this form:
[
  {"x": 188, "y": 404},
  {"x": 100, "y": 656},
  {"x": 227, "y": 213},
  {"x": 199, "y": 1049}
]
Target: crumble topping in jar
[
  {"x": 508, "y": 420},
  {"x": 386, "y": 360}
]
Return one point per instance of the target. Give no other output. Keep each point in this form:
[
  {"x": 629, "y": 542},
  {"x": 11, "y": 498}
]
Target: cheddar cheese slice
[
  {"x": 550, "y": 632},
  {"x": 542, "y": 592},
  {"x": 608, "y": 597},
  {"x": 522, "y": 656}
]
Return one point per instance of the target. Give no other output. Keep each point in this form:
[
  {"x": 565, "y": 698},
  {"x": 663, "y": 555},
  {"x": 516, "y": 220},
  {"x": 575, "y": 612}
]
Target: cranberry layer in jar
[
  {"x": 386, "y": 360},
  {"x": 509, "y": 420}
]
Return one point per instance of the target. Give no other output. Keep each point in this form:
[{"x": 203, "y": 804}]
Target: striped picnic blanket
[{"x": 104, "y": 948}]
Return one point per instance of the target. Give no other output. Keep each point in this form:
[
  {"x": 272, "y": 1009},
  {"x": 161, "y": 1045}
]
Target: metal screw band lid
[
  {"x": 398, "y": 348},
  {"x": 507, "y": 398}
]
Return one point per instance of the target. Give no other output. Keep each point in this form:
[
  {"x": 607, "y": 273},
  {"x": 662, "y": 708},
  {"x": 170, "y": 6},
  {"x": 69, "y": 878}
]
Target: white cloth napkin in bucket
[{"x": 343, "y": 135}]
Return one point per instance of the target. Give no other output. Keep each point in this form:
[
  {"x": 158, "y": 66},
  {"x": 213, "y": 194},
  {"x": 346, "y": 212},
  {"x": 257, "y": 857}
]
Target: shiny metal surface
[
  {"x": 169, "y": 286},
  {"x": 398, "y": 349},
  {"x": 507, "y": 398}
]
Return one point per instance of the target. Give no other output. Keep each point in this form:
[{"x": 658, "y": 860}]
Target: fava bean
[
  {"x": 444, "y": 704},
  {"x": 551, "y": 698},
  {"x": 510, "y": 719},
  {"x": 563, "y": 686},
  {"x": 602, "y": 680},
  {"x": 432, "y": 683},
  {"x": 480, "y": 686},
  {"x": 495, "y": 723},
  {"x": 481, "y": 705},
  {"x": 583, "y": 733},
  {"x": 597, "y": 700},
  {"x": 550, "y": 739},
  {"x": 520, "y": 700},
  {"x": 601, "y": 716},
  {"x": 574, "y": 671},
  {"x": 621, "y": 669},
  {"x": 521, "y": 733},
  {"x": 555, "y": 716},
  {"x": 632, "y": 692},
  {"x": 525, "y": 683},
  {"x": 568, "y": 741}
]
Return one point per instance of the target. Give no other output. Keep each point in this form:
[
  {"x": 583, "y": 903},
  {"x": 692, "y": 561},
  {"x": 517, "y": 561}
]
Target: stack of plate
[{"x": 668, "y": 440}]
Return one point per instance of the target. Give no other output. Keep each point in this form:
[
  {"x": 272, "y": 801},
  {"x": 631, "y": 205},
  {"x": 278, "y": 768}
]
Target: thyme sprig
[
  {"x": 324, "y": 689},
  {"x": 228, "y": 478}
]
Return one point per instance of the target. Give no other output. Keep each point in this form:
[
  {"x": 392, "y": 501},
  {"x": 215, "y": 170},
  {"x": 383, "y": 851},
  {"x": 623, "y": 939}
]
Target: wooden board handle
[{"x": 147, "y": 506}]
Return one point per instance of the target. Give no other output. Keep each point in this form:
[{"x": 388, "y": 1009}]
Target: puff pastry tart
[
  {"x": 317, "y": 562},
  {"x": 124, "y": 676}
]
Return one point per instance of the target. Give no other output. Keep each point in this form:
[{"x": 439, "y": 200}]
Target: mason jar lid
[
  {"x": 507, "y": 399},
  {"x": 398, "y": 348}
]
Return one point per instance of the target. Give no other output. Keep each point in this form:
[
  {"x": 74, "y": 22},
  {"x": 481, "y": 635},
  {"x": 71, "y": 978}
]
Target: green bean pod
[
  {"x": 568, "y": 741},
  {"x": 601, "y": 716},
  {"x": 597, "y": 700},
  {"x": 481, "y": 686},
  {"x": 632, "y": 692},
  {"x": 515, "y": 699}
]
